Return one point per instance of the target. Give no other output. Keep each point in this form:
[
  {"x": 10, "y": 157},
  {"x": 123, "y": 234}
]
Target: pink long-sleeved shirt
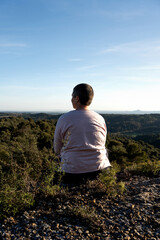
[{"x": 80, "y": 138}]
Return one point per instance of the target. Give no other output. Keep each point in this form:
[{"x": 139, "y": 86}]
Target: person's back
[
  {"x": 80, "y": 136},
  {"x": 84, "y": 136}
]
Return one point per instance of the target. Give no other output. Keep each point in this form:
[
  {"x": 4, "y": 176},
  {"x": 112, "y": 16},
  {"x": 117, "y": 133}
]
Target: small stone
[
  {"x": 12, "y": 219},
  {"x": 80, "y": 231},
  {"x": 34, "y": 225}
]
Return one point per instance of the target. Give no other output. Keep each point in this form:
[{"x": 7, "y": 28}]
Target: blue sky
[{"x": 49, "y": 46}]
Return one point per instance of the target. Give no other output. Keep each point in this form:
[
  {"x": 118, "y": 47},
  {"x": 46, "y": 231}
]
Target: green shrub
[
  {"x": 12, "y": 200},
  {"x": 148, "y": 168},
  {"x": 23, "y": 166},
  {"x": 109, "y": 180}
]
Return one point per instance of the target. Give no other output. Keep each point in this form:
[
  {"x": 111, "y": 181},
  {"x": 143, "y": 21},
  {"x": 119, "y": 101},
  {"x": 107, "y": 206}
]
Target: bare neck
[{"x": 82, "y": 107}]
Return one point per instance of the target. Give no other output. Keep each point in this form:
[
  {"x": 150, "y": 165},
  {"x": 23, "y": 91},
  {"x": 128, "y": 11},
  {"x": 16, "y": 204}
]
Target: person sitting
[{"x": 80, "y": 138}]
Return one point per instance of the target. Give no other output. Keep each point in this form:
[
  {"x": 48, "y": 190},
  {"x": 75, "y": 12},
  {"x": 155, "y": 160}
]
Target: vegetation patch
[{"x": 28, "y": 165}]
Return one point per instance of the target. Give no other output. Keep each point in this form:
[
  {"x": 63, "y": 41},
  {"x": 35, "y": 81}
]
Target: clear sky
[{"x": 49, "y": 46}]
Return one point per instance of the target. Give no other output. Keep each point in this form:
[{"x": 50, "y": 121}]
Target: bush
[
  {"x": 24, "y": 168},
  {"x": 148, "y": 168},
  {"x": 109, "y": 180}
]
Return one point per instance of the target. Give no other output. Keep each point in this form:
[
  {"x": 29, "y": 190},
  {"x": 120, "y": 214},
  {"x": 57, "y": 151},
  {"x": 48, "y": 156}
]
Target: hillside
[
  {"x": 117, "y": 123},
  {"x": 145, "y": 127},
  {"x": 87, "y": 212},
  {"x": 133, "y": 124},
  {"x": 33, "y": 205}
]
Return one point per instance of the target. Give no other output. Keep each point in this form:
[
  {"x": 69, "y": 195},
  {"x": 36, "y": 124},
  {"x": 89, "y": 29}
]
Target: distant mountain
[
  {"x": 129, "y": 112},
  {"x": 11, "y": 113}
]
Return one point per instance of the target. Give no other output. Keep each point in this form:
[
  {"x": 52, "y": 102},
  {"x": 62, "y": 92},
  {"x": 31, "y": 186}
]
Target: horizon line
[{"x": 64, "y": 111}]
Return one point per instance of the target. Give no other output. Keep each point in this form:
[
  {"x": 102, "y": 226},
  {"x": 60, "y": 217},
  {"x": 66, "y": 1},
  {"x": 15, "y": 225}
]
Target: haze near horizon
[{"x": 47, "y": 47}]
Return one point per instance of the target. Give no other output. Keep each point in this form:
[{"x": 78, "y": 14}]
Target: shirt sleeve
[
  {"x": 105, "y": 126},
  {"x": 58, "y": 143}
]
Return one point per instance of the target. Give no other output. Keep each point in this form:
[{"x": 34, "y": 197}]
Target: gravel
[{"x": 85, "y": 212}]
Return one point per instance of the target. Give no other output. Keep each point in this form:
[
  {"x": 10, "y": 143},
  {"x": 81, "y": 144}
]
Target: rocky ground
[{"x": 86, "y": 212}]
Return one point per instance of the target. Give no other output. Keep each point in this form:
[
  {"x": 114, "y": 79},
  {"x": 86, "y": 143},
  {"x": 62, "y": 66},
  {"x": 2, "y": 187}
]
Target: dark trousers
[{"x": 79, "y": 177}]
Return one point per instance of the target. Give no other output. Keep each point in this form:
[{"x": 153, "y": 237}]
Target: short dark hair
[{"x": 84, "y": 92}]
